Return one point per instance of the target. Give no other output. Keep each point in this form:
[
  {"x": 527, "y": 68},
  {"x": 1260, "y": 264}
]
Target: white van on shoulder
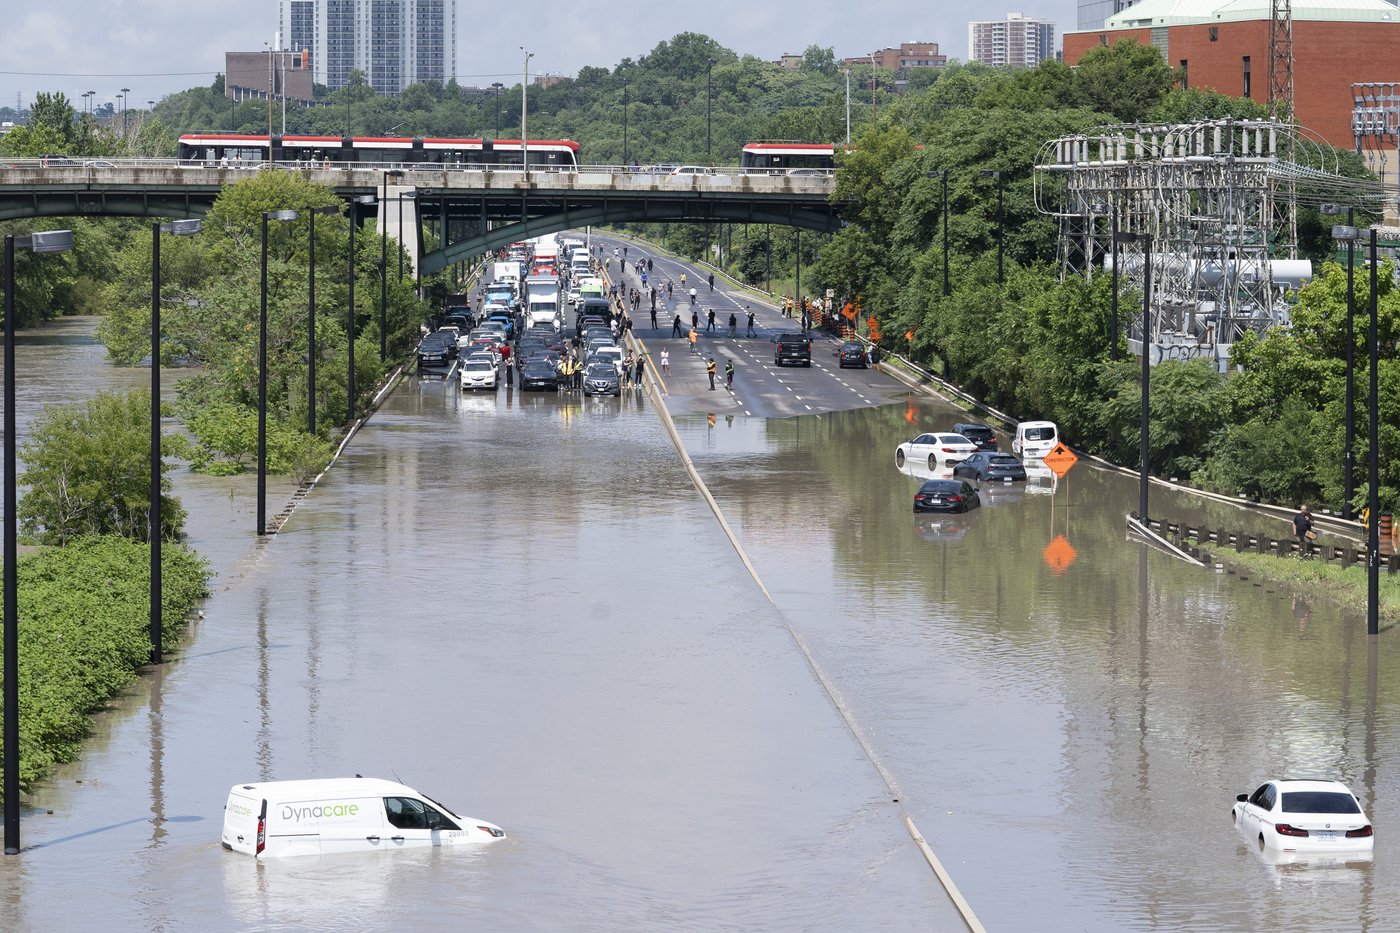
[
  {"x": 325, "y": 817},
  {"x": 1035, "y": 439}
]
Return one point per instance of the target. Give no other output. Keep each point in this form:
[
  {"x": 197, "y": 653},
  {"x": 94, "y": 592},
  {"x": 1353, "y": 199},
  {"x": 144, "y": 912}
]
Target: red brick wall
[{"x": 1327, "y": 58}]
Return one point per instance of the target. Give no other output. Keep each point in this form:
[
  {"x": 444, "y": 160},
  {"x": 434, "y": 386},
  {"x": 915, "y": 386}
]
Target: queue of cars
[{"x": 955, "y": 460}]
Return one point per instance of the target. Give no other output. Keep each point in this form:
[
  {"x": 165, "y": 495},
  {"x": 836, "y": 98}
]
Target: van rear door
[{"x": 245, "y": 822}]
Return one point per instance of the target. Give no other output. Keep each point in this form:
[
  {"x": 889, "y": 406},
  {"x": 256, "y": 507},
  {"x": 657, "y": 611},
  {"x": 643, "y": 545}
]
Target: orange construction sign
[
  {"x": 849, "y": 312},
  {"x": 1060, "y": 459}
]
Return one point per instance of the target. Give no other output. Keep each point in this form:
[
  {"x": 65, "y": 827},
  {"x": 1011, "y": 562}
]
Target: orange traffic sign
[
  {"x": 1060, "y": 459},
  {"x": 1059, "y": 554}
]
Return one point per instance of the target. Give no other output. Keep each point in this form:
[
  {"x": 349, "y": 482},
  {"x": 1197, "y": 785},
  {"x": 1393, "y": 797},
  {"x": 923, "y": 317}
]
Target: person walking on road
[
  {"x": 710, "y": 322},
  {"x": 710, "y": 371},
  {"x": 694, "y": 338},
  {"x": 676, "y": 326},
  {"x": 669, "y": 286},
  {"x": 641, "y": 367},
  {"x": 712, "y": 281},
  {"x": 1303, "y": 529},
  {"x": 682, "y": 280},
  {"x": 693, "y": 296},
  {"x": 665, "y": 363},
  {"x": 653, "y": 314},
  {"x": 729, "y": 375},
  {"x": 695, "y": 320},
  {"x": 733, "y": 324},
  {"x": 751, "y": 331}
]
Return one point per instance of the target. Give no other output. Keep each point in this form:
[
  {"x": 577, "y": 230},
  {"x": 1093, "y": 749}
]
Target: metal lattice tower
[
  {"x": 1207, "y": 193},
  {"x": 1281, "y": 87}
]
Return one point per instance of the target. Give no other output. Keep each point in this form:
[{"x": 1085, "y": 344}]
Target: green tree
[
  {"x": 819, "y": 59},
  {"x": 87, "y": 472},
  {"x": 1126, "y": 79}
]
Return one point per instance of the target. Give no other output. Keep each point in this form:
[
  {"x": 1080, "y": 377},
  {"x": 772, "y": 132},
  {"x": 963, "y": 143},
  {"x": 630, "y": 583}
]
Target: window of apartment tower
[{"x": 1246, "y": 76}]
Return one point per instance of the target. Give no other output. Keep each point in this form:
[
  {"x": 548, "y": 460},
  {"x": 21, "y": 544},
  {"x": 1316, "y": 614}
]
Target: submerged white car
[
  {"x": 478, "y": 374},
  {"x": 934, "y": 449},
  {"x": 1304, "y": 816}
]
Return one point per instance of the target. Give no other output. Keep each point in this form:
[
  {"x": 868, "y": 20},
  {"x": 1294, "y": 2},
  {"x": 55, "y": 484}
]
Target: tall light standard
[
  {"x": 874, "y": 86},
  {"x": 709, "y": 96},
  {"x": 848, "y": 106},
  {"x": 1349, "y": 234},
  {"x": 625, "y": 163},
  {"x": 524, "y": 115},
  {"x": 1146, "y": 240},
  {"x": 496, "y": 85},
  {"x": 1001, "y": 228},
  {"x": 384, "y": 263},
  {"x": 1373, "y": 501},
  {"x": 947, "y": 290},
  {"x": 126, "y": 95},
  {"x": 53, "y": 241},
  {"x": 155, "y": 530},
  {"x": 262, "y": 372},
  {"x": 311, "y": 213},
  {"x": 355, "y": 204}
]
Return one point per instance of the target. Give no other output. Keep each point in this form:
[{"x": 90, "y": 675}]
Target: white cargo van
[
  {"x": 1035, "y": 439},
  {"x": 325, "y": 817}
]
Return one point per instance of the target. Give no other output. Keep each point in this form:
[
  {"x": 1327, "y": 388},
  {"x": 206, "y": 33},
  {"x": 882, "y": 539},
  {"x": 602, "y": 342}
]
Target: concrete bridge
[{"x": 468, "y": 211}]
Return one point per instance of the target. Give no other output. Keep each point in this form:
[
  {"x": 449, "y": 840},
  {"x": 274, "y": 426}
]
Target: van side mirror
[{"x": 1242, "y": 797}]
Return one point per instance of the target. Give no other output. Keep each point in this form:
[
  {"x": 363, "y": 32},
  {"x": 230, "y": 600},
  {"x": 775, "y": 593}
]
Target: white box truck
[
  {"x": 542, "y": 301},
  {"x": 324, "y": 817}
]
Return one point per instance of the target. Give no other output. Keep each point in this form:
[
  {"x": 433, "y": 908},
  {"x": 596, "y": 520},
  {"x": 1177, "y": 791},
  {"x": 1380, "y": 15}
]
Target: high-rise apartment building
[
  {"x": 394, "y": 42},
  {"x": 1094, "y": 13},
  {"x": 1016, "y": 40}
]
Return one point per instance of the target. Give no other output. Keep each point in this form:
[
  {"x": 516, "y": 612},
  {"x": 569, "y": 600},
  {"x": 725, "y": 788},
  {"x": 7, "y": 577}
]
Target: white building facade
[
  {"x": 395, "y": 43},
  {"x": 1016, "y": 40}
]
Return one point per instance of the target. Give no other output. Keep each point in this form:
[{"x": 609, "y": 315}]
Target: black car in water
[
  {"x": 852, "y": 353},
  {"x": 979, "y": 434},
  {"x": 601, "y": 379},
  {"x": 990, "y": 465},
  {"x": 539, "y": 373},
  {"x": 437, "y": 349},
  {"x": 946, "y": 495}
]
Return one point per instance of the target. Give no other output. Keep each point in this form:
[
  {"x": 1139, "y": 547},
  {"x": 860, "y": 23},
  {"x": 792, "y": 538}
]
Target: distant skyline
[{"x": 159, "y": 47}]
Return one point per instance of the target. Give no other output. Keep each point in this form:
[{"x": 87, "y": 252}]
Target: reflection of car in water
[
  {"x": 920, "y": 470},
  {"x": 943, "y": 526},
  {"x": 998, "y": 492},
  {"x": 1350, "y": 868},
  {"x": 1040, "y": 479}
]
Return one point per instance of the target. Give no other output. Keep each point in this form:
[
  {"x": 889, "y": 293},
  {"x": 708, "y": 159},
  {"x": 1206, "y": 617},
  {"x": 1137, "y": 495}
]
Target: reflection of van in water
[
  {"x": 324, "y": 817},
  {"x": 1035, "y": 439}
]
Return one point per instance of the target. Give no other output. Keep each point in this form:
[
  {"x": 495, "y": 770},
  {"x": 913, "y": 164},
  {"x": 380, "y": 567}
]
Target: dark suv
[
  {"x": 792, "y": 348},
  {"x": 979, "y": 434}
]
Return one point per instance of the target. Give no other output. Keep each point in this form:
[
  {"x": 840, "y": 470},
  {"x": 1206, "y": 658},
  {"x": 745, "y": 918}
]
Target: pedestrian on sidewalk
[
  {"x": 676, "y": 326},
  {"x": 694, "y": 338},
  {"x": 733, "y": 324},
  {"x": 665, "y": 362},
  {"x": 1303, "y": 529},
  {"x": 710, "y": 371},
  {"x": 710, "y": 322},
  {"x": 751, "y": 331}
]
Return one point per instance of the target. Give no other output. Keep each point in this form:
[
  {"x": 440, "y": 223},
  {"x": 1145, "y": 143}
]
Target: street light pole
[
  {"x": 943, "y": 175},
  {"x": 155, "y": 531},
  {"x": 709, "y": 96},
  {"x": 126, "y": 94},
  {"x": 1373, "y": 504},
  {"x": 1146, "y": 240},
  {"x": 311, "y": 213},
  {"x": 54, "y": 241},
  {"x": 1113, "y": 300},
  {"x": 1349, "y": 234},
  {"x": 262, "y": 372},
  {"x": 384, "y": 263},
  {"x": 848, "y": 106},
  {"x": 625, "y": 163},
  {"x": 498, "y": 85},
  {"x": 524, "y": 115},
  {"x": 1001, "y": 229}
]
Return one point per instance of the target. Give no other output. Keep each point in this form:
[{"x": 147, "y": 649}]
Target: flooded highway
[{"x": 518, "y": 604}]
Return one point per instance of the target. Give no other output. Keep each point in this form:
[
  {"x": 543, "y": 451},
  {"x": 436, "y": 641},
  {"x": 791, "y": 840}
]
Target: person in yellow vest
[{"x": 710, "y": 371}]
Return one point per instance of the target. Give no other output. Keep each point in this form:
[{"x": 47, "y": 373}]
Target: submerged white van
[
  {"x": 1035, "y": 439},
  {"x": 325, "y": 817}
]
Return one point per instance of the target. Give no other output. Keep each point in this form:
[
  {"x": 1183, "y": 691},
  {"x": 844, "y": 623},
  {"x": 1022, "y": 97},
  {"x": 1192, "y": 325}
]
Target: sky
[{"x": 158, "y": 47}]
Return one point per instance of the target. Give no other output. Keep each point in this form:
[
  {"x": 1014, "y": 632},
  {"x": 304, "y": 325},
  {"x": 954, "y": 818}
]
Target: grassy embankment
[
  {"x": 1344, "y": 586},
  {"x": 84, "y": 617}
]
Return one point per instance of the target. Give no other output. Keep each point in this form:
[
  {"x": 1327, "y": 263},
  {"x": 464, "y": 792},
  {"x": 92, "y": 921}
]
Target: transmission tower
[{"x": 1281, "y": 93}]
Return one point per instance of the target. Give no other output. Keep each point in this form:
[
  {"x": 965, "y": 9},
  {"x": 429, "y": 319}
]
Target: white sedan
[
  {"x": 478, "y": 374},
  {"x": 934, "y": 449},
  {"x": 1304, "y": 816}
]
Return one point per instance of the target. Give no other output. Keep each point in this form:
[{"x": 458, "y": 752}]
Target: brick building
[
  {"x": 1224, "y": 46},
  {"x": 908, "y": 55}
]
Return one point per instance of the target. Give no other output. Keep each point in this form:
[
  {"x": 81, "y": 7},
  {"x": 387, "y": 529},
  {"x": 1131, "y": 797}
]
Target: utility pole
[{"x": 524, "y": 114}]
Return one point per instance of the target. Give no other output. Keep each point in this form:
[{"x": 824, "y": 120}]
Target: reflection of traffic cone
[{"x": 712, "y": 420}]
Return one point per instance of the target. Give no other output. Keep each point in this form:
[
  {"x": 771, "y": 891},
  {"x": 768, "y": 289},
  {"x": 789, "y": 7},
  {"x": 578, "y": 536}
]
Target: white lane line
[{"x": 808, "y": 407}]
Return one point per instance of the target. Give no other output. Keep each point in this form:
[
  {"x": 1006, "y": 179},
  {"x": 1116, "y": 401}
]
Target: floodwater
[
  {"x": 518, "y": 604},
  {"x": 1068, "y": 714}
]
